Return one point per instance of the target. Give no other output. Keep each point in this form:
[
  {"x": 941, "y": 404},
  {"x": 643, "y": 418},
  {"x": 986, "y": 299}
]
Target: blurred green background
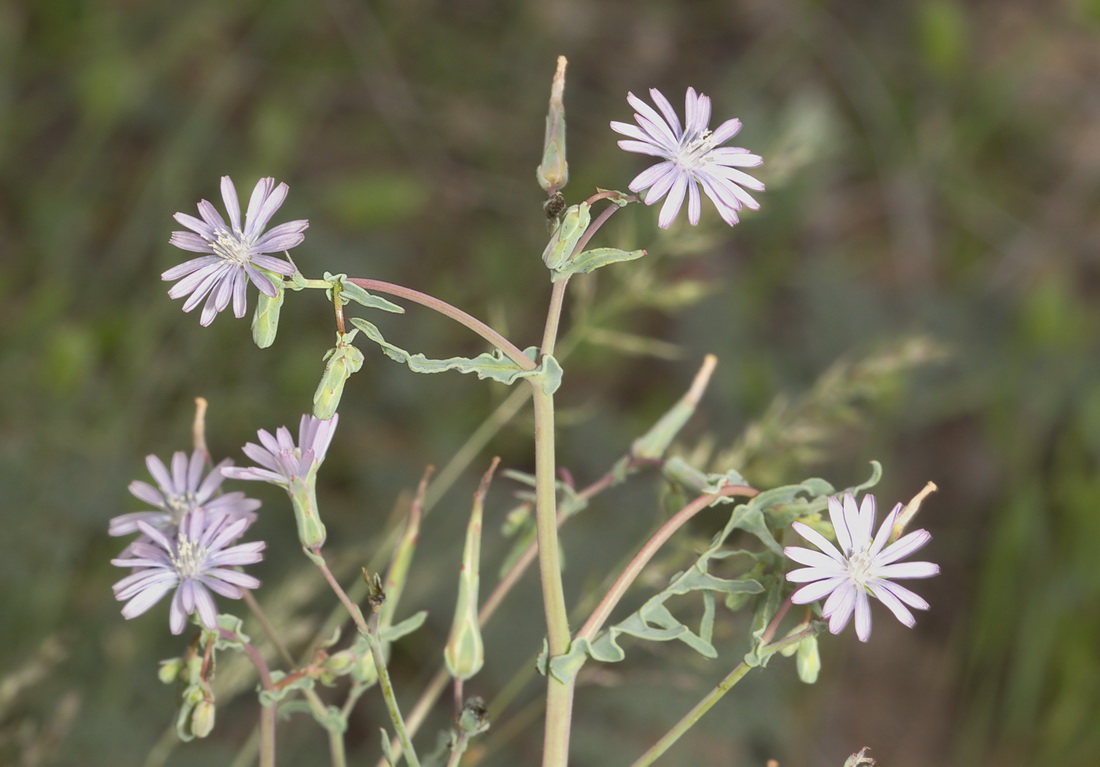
[{"x": 931, "y": 222}]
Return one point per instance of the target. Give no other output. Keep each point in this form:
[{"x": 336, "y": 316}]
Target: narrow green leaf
[
  {"x": 405, "y": 627},
  {"x": 349, "y": 291},
  {"x": 490, "y": 365},
  {"x": 591, "y": 260}
]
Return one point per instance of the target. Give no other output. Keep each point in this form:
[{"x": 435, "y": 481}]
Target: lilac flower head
[
  {"x": 196, "y": 560},
  {"x": 182, "y": 490},
  {"x": 281, "y": 461},
  {"x": 692, "y": 157},
  {"x": 862, "y": 566},
  {"x": 234, "y": 253}
]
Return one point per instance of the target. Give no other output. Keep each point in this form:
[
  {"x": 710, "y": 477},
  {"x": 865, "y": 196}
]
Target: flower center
[
  {"x": 189, "y": 558},
  {"x": 179, "y": 505},
  {"x": 233, "y": 247},
  {"x": 695, "y": 152},
  {"x": 861, "y": 566}
]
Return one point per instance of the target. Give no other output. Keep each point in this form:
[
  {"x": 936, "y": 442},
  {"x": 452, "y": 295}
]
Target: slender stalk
[
  {"x": 352, "y": 608},
  {"x": 634, "y": 568},
  {"x": 703, "y": 706},
  {"x": 389, "y": 696},
  {"x": 693, "y": 716},
  {"x": 267, "y": 713},
  {"x": 510, "y": 350},
  {"x": 268, "y": 629},
  {"x": 553, "y": 316}
]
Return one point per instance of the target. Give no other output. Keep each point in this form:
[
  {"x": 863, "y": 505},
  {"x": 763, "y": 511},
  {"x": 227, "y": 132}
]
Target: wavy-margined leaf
[
  {"x": 490, "y": 365},
  {"x": 756, "y": 516},
  {"x": 303, "y": 682}
]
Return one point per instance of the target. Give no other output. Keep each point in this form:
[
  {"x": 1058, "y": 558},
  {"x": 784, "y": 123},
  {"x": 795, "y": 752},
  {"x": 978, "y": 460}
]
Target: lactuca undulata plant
[{"x": 189, "y": 543}]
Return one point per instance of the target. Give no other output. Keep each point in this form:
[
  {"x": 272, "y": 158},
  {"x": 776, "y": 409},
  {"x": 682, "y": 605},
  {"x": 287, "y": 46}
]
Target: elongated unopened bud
[
  {"x": 398, "y": 571},
  {"x": 202, "y": 719},
  {"x": 340, "y": 362},
  {"x": 464, "y": 654},
  {"x": 553, "y": 171},
  {"x": 807, "y": 660},
  {"x": 910, "y": 510},
  {"x": 265, "y": 322}
]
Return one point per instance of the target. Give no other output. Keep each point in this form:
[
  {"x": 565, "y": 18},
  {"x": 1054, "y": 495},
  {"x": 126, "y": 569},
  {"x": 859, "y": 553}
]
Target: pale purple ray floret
[
  {"x": 279, "y": 459},
  {"x": 179, "y": 491},
  {"x": 233, "y": 252},
  {"x": 194, "y": 561},
  {"x": 692, "y": 157},
  {"x": 863, "y": 566}
]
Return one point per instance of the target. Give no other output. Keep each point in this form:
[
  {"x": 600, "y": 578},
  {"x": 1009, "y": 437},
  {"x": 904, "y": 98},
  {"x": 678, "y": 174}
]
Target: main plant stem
[{"x": 559, "y": 694}]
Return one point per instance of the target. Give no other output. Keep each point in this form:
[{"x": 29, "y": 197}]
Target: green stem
[
  {"x": 459, "y": 749},
  {"x": 438, "y": 683},
  {"x": 559, "y": 695},
  {"x": 509, "y": 349},
  {"x": 693, "y": 716},
  {"x": 352, "y": 608},
  {"x": 389, "y": 696},
  {"x": 715, "y": 695},
  {"x": 553, "y": 317}
]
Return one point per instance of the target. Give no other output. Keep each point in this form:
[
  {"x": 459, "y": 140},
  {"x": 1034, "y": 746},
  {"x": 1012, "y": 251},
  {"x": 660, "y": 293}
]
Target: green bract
[
  {"x": 341, "y": 361},
  {"x": 567, "y": 233}
]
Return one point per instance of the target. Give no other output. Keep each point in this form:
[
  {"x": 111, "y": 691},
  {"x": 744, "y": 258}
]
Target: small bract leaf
[
  {"x": 407, "y": 626},
  {"x": 567, "y": 233},
  {"x": 349, "y": 291}
]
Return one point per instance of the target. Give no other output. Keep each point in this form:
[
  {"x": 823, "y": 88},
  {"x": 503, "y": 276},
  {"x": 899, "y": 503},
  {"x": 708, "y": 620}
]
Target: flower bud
[
  {"x": 808, "y": 661},
  {"x": 202, "y": 719},
  {"x": 464, "y": 654},
  {"x": 553, "y": 171},
  {"x": 340, "y": 362},
  {"x": 265, "y": 321},
  {"x": 170, "y": 670}
]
